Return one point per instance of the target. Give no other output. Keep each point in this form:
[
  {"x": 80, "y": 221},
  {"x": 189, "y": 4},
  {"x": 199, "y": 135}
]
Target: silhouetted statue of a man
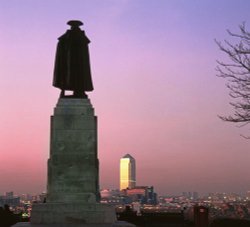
[{"x": 72, "y": 65}]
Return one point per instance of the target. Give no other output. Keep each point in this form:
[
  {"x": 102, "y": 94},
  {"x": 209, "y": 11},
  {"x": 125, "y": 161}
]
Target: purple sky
[{"x": 156, "y": 94}]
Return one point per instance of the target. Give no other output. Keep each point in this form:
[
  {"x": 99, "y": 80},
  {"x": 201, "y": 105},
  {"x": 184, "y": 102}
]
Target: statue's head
[{"x": 75, "y": 24}]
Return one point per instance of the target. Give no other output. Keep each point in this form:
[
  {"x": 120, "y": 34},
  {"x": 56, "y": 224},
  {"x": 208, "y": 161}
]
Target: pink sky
[{"x": 156, "y": 94}]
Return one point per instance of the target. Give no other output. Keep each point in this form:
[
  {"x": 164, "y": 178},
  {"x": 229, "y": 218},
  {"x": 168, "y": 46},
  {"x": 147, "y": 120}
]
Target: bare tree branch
[{"x": 237, "y": 74}]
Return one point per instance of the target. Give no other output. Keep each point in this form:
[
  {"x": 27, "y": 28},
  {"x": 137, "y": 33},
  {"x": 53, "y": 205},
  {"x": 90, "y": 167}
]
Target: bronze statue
[{"x": 72, "y": 65}]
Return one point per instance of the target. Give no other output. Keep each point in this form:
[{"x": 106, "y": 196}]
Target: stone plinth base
[
  {"x": 116, "y": 224},
  {"x": 72, "y": 213}
]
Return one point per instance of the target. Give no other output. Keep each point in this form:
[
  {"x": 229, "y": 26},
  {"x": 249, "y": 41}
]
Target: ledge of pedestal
[
  {"x": 115, "y": 224},
  {"x": 72, "y": 213}
]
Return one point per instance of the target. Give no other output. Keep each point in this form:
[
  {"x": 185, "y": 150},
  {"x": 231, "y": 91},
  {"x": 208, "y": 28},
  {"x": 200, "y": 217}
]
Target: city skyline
[{"x": 155, "y": 94}]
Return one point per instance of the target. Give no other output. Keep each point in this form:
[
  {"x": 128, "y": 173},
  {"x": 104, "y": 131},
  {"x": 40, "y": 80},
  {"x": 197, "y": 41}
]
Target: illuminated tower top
[{"x": 127, "y": 172}]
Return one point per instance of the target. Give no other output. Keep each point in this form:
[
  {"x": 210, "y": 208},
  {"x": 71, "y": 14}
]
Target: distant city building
[
  {"x": 111, "y": 196},
  {"x": 141, "y": 194},
  {"x": 195, "y": 195},
  {"x": 190, "y": 195},
  {"x": 9, "y": 199},
  {"x": 127, "y": 172},
  {"x": 108, "y": 193},
  {"x": 248, "y": 195},
  {"x": 9, "y": 195}
]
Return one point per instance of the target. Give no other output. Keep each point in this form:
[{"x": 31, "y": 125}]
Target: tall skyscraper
[{"x": 127, "y": 172}]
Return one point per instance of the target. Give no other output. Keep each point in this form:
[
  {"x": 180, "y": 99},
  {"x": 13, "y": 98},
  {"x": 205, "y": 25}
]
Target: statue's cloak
[{"x": 72, "y": 65}]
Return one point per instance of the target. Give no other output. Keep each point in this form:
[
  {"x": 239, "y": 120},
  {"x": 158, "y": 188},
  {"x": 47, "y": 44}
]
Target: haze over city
[{"x": 156, "y": 93}]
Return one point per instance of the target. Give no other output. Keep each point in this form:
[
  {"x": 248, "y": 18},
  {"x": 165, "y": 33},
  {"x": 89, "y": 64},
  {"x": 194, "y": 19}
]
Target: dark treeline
[
  {"x": 228, "y": 222},
  {"x": 8, "y": 218}
]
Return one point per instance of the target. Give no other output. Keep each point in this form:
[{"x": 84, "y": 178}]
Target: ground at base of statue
[{"x": 116, "y": 224}]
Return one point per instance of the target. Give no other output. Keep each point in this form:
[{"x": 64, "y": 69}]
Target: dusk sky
[{"x": 156, "y": 93}]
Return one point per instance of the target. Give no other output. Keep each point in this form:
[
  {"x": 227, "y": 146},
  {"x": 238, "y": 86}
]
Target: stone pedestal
[
  {"x": 73, "y": 164},
  {"x": 72, "y": 213},
  {"x": 73, "y": 169}
]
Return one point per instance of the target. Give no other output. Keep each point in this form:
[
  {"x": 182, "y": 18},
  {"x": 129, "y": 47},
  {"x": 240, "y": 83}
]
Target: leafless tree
[{"x": 237, "y": 73}]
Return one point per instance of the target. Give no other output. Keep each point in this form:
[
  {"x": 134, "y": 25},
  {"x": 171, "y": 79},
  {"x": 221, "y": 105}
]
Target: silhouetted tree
[
  {"x": 7, "y": 217},
  {"x": 237, "y": 73},
  {"x": 227, "y": 222}
]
